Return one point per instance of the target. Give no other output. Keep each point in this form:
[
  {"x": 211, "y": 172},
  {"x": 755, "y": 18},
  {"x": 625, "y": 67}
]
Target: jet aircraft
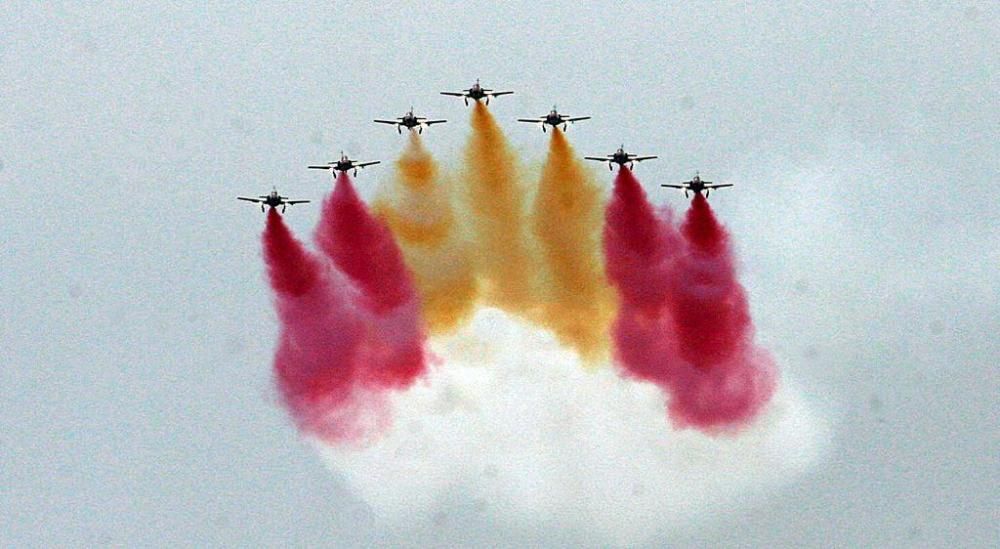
[
  {"x": 554, "y": 119},
  {"x": 345, "y": 164},
  {"x": 273, "y": 200},
  {"x": 410, "y": 121},
  {"x": 620, "y": 157},
  {"x": 696, "y": 185},
  {"x": 477, "y": 92}
]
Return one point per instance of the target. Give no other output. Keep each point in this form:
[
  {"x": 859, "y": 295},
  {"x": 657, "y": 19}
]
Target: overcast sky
[{"x": 136, "y": 328}]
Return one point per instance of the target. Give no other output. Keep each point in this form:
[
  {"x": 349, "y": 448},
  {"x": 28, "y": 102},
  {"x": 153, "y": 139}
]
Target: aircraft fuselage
[
  {"x": 621, "y": 157},
  {"x": 477, "y": 93}
]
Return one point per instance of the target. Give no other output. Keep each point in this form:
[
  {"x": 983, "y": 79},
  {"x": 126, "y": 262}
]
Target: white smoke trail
[{"x": 511, "y": 425}]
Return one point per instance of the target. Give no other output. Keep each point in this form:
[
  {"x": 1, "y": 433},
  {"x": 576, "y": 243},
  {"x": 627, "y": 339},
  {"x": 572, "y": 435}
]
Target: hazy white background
[{"x": 136, "y": 328}]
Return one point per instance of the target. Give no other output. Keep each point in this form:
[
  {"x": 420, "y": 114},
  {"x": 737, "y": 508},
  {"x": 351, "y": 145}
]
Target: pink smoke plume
[
  {"x": 684, "y": 322},
  {"x": 350, "y": 325}
]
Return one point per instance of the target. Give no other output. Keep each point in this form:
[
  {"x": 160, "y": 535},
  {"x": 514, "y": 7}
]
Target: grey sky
[{"x": 136, "y": 328}]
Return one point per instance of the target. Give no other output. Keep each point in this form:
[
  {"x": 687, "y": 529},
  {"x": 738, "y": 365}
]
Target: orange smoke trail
[
  {"x": 577, "y": 304},
  {"x": 496, "y": 199},
  {"x": 419, "y": 212}
]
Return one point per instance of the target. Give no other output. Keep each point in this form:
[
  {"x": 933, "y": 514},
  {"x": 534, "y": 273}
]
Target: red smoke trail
[
  {"x": 321, "y": 333},
  {"x": 292, "y": 269},
  {"x": 363, "y": 248},
  {"x": 639, "y": 261},
  {"x": 709, "y": 305},
  {"x": 639, "y": 249},
  {"x": 684, "y": 321},
  {"x": 350, "y": 330}
]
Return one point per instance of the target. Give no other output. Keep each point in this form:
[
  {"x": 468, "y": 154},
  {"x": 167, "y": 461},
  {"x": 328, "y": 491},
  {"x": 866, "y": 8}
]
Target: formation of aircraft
[
  {"x": 477, "y": 92},
  {"x": 410, "y": 121},
  {"x": 554, "y": 119},
  {"x": 345, "y": 164},
  {"x": 620, "y": 157},
  {"x": 273, "y": 200},
  {"x": 696, "y": 185}
]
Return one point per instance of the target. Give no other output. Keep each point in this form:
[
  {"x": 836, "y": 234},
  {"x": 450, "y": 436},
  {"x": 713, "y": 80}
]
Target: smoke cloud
[
  {"x": 519, "y": 290},
  {"x": 512, "y": 435}
]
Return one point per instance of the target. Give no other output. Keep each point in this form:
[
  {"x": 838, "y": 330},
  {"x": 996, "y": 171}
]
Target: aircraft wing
[
  {"x": 429, "y": 122},
  {"x": 718, "y": 186},
  {"x": 363, "y": 164},
  {"x": 673, "y": 186},
  {"x": 494, "y": 94},
  {"x": 290, "y": 202},
  {"x": 248, "y": 199},
  {"x": 597, "y": 158},
  {"x": 532, "y": 120},
  {"x": 320, "y": 167},
  {"x": 576, "y": 119},
  {"x": 388, "y": 121},
  {"x": 641, "y": 158},
  {"x": 454, "y": 94}
]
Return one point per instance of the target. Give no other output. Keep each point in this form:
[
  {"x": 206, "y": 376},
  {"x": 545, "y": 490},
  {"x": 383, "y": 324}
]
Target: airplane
[
  {"x": 273, "y": 200},
  {"x": 477, "y": 92},
  {"x": 554, "y": 119},
  {"x": 410, "y": 121},
  {"x": 620, "y": 157},
  {"x": 345, "y": 164},
  {"x": 697, "y": 185}
]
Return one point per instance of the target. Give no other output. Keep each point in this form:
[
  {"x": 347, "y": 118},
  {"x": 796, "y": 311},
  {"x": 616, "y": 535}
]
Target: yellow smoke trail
[
  {"x": 545, "y": 265},
  {"x": 419, "y": 212},
  {"x": 577, "y": 303},
  {"x": 497, "y": 200}
]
